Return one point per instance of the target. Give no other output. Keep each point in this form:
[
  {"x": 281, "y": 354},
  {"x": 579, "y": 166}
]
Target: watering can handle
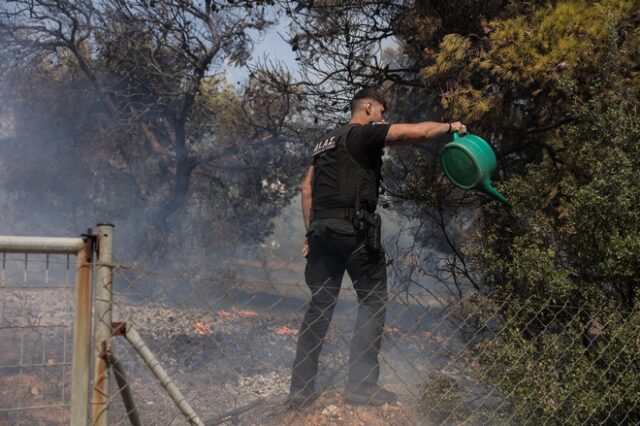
[{"x": 457, "y": 136}]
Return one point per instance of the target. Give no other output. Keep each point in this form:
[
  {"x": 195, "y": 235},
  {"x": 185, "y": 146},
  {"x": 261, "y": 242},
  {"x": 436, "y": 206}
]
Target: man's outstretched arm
[{"x": 412, "y": 133}]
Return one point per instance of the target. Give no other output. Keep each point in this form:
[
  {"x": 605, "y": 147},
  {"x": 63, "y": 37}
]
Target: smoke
[{"x": 62, "y": 172}]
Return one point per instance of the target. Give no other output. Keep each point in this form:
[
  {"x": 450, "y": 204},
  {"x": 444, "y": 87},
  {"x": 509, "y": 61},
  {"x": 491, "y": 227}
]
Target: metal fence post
[
  {"x": 103, "y": 326},
  {"x": 82, "y": 336}
]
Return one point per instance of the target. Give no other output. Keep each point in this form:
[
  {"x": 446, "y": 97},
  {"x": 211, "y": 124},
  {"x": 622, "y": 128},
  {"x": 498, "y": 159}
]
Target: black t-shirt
[{"x": 366, "y": 142}]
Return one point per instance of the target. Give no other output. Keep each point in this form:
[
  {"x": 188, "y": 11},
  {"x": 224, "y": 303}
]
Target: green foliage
[
  {"x": 556, "y": 376},
  {"x": 568, "y": 252},
  {"x": 511, "y": 75},
  {"x": 556, "y": 86},
  {"x": 577, "y": 224},
  {"x": 441, "y": 400}
]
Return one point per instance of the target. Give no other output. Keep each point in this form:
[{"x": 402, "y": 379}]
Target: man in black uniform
[{"x": 339, "y": 197}]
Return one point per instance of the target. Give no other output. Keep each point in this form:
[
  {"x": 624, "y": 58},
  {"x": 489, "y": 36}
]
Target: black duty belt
[{"x": 338, "y": 213}]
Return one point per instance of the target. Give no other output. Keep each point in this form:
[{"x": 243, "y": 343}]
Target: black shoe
[
  {"x": 369, "y": 395},
  {"x": 300, "y": 399}
]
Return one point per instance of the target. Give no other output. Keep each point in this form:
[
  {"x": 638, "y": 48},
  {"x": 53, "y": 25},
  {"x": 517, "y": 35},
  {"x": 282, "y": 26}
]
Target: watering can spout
[{"x": 488, "y": 189}]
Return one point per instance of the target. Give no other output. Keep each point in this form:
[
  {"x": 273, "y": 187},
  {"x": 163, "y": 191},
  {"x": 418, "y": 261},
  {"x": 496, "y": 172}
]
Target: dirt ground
[
  {"x": 330, "y": 409},
  {"x": 222, "y": 358}
]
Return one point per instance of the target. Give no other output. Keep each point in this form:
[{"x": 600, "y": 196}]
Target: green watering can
[{"x": 468, "y": 161}]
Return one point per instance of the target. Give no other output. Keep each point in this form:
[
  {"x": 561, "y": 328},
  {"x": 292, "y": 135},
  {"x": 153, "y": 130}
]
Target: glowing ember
[
  {"x": 286, "y": 330},
  {"x": 391, "y": 330},
  {"x": 247, "y": 314},
  {"x": 202, "y": 328},
  {"x": 224, "y": 314},
  {"x": 427, "y": 334}
]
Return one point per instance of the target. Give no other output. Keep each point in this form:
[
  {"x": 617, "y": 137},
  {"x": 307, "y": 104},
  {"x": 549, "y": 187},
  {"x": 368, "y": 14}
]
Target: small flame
[
  {"x": 202, "y": 328},
  {"x": 284, "y": 330},
  {"x": 225, "y": 314},
  {"x": 247, "y": 314},
  {"x": 391, "y": 330}
]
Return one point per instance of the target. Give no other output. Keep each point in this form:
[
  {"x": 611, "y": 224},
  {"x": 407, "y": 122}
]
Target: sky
[{"x": 271, "y": 46}]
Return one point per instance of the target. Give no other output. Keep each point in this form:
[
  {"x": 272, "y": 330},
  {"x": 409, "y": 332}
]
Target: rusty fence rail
[{"x": 45, "y": 302}]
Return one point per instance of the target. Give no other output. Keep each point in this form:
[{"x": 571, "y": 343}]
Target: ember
[
  {"x": 247, "y": 314},
  {"x": 286, "y": 330},
  {"x": 391, "y": 330},
  {"x": 202, "y": 328},
  {"x": 224, "y": 314}
]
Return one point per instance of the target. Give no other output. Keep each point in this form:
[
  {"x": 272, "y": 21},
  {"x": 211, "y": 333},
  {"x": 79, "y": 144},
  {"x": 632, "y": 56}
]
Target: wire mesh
[
  {"x": 228, "y": 340},
  {"x": 36, "y": 333}
]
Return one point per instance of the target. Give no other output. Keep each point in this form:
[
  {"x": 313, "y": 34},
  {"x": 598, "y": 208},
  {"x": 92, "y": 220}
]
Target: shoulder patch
[{"x": 324, "y": 146}]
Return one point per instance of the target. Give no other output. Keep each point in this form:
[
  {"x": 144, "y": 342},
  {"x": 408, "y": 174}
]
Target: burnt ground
[
  {"x": 237, "y": 356},
  {"x": 231, "y": 360}
]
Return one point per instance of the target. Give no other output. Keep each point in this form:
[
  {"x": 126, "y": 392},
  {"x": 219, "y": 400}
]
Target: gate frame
[
  {"x": 82, "y": 248},
  {"x": 104, "y": 328}
]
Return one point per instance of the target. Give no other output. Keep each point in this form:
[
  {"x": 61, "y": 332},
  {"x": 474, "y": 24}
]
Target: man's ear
[{"x": 369, "y": 108}]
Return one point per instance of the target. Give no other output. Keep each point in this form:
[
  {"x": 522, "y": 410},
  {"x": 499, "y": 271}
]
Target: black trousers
[{"x": 333, "y": 248}]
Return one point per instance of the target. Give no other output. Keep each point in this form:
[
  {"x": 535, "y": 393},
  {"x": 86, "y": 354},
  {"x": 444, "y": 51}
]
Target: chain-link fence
[
  {"x": 44, "y": 308},
  {"x": 218, "y": 349},
  {"x": 229, "y": 340}
]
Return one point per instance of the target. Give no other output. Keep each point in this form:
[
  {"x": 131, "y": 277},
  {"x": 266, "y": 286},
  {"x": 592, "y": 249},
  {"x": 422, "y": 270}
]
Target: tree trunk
[{"x": 176, "y": 200}]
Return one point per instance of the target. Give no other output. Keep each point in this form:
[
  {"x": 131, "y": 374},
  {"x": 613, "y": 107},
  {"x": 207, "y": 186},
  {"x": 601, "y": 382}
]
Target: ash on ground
[{"x": 232, "y": 362}]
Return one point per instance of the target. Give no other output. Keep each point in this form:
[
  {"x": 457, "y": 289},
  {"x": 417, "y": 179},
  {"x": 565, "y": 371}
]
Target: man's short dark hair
[{"x": 367, "y": 93}]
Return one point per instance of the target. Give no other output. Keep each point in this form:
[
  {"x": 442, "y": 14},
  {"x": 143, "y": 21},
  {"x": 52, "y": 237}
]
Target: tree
[{"x": 133, "y": 87}]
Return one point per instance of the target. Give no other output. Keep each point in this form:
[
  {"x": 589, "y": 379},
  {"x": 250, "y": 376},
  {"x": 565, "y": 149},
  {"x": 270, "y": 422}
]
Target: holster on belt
[
  {"x": 369, "y": 224},
  {"x": 372, "y": 232}
]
